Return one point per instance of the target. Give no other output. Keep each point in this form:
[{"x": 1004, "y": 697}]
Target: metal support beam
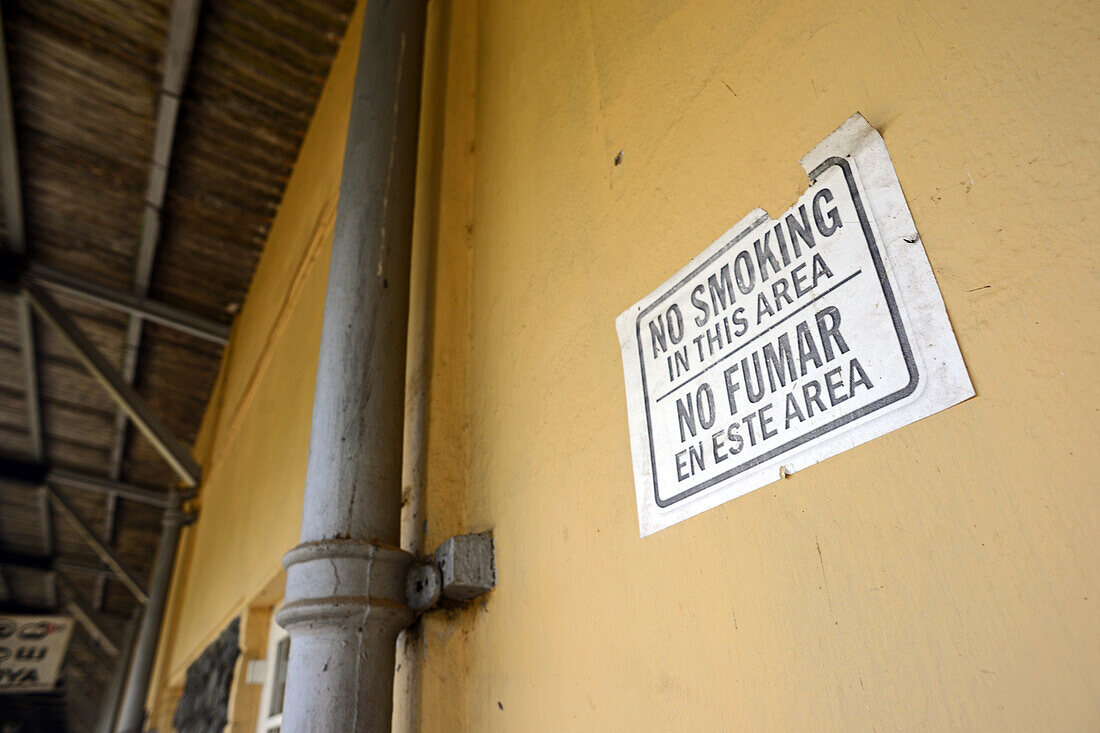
[
  {"x": 345, "y": 599},
  {"x": 27, "y": 609},
  {"x": 75, "y": 605},
  {"x": 11, "y": 206},
  {"x": 151, "y": 310},
  {"x": 49, "y": 564},
  {"x": 125, "y": 395},
  {"x": 83, "y": 616},
  {"x": 72, "y": 568},
  {"x": 183, "y": 23},
  {"x": 132, "y": 711},
  {"x": 45, "y": 518},
  {"x": 104, "y": 552},
  {"x": 37, "y": 474},
  {"x": 75, "y": 480},
  {"x": 28, "y": 349},
  {"x": 25, "y": 316},
  {"x": 11, "y": 192},
  {"x": 118, "y": 444},
  {"x": 26, "y": 561}
]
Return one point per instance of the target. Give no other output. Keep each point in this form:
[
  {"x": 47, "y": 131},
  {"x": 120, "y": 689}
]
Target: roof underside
[{"x": 85, "y": 78}]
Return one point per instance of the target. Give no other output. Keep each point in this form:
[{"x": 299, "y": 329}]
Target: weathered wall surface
[{"x": 943, "y": 577}]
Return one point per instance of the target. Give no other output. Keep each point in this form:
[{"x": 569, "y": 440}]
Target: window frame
[{"x": 266, "y": 722}]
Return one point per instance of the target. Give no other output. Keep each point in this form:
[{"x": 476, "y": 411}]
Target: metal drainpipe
[
  {"x": 132, "y": 713},
  {"x": 345, "y": 588},
  {"x": 108, "y": 710}
]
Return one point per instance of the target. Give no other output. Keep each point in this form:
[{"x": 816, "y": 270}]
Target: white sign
[
  {"x": 787, "y": 340},
  {"x": 31, "y": 651}
]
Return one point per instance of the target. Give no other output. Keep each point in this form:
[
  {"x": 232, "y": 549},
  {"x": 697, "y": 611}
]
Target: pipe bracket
[{"x": 462, "y": 569}]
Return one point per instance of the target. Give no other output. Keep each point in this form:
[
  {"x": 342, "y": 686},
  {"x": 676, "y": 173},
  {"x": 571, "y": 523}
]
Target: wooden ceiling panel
[{"x": 85, "y": 77}]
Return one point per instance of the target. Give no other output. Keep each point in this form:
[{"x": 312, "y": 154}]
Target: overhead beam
[
  {"x": 83, "y": 616},
  {"x": 105, "y": 554},
  {"x": 42, "y": 499},
  {"x": 75, "y": 605},
  {"x": 183, "y": 22},
  {"x": 26, "y": 561},
  {"x": 49, "y": 564},
  {"x": 74, "y": 568},
  {"x": 166, "y": 444},
  {"x": 26, "y": 609},
  {"x": 45, "y": 520},
  {"x": 11, "y": 207},
  {"x": 39, "y": 474},
  {"x": 25, "y": 316},
  {"x": 29, "y": 354},
  {"x": 11, "y": 204},
  {"x": 11, "y": 193},
  {"x": 151, "y": 310},
  {"x": 74, "y": 480},
  {"x": 52, "y": 567}
]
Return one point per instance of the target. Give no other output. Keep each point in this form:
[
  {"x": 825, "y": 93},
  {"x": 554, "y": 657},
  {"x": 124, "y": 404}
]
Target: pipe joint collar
[{"x": 341, "y": 579}]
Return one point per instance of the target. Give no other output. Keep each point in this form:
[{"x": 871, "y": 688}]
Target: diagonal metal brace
[
  {"x": 105, "y": 554},
  {"x": 125, "y": 395},
  {"x": 76, "y": 606}
]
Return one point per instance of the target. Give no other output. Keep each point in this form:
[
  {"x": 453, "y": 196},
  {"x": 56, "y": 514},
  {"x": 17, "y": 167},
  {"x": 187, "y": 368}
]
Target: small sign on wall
[
  {"x": 787, "y": 340},
  {"x": 31, "y": 651}
]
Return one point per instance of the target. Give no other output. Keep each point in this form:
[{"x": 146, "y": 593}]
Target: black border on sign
[{"x": 899, "y": 328}]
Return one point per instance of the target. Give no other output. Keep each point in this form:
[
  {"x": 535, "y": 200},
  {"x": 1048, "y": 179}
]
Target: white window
[{"x": 271, "y": 698}]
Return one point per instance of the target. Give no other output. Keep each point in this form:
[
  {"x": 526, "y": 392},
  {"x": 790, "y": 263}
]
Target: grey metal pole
[
  {"x": 132, "y": 713},
  {"x": 108, "y": 710},
  {"x": 345, "y": 582}
]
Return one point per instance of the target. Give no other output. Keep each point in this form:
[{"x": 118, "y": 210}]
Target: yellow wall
[{"x": 941, "y": 577}]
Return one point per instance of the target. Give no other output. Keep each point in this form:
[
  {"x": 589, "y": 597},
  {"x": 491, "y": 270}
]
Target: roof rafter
[
  {"x": 162, "y": 439},
  {"x": 150, "y": 310},
  {"x": 182, "y": 26},
  {"x": 11, "y": 205}
]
